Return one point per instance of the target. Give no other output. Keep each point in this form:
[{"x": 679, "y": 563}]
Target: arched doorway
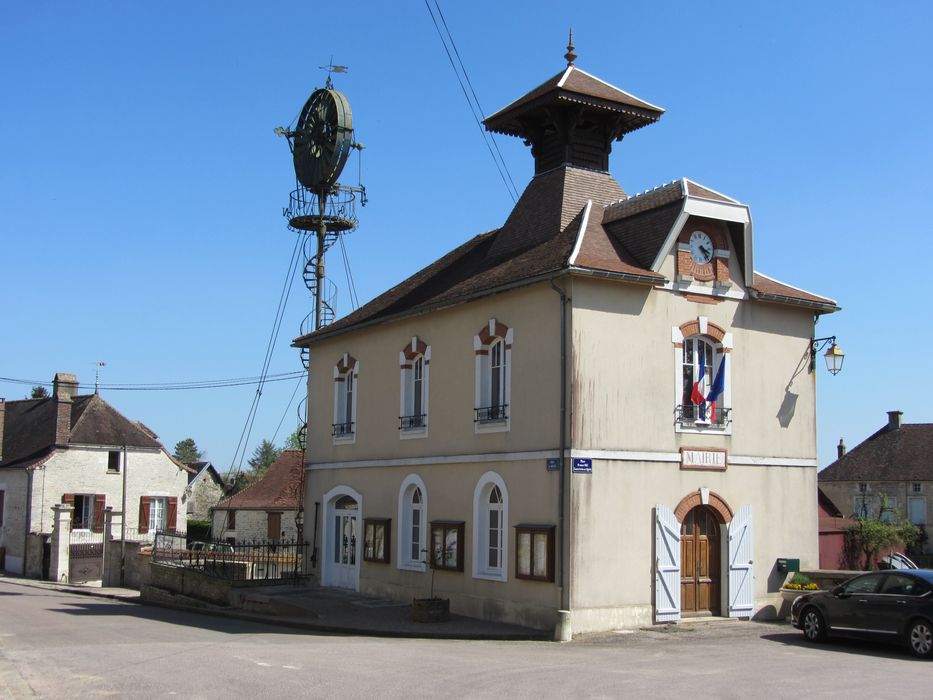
[
  {"x": 701, "y": 562},
  {"x": 341, "y": 536}
]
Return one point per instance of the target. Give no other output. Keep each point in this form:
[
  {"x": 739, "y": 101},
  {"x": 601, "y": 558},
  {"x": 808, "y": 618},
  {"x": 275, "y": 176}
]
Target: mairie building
[{"x": 599, "y": 415}]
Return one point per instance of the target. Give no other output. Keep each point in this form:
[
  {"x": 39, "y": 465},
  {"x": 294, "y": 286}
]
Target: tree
[
  {"x": 263, "y": 456},
  {"x": 871, "y": 537},
  {"x": 39, "y": 392},
  {"x": 295, "y": 441},
  {"x": 187, "y": 451}
]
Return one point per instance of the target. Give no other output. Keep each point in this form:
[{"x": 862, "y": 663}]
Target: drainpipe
[
  {"x": 563, "y": 632},
  {"x": 29, "y": 473}
]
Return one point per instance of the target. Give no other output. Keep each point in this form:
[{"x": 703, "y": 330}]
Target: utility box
[{"x": 788, "y": 566}]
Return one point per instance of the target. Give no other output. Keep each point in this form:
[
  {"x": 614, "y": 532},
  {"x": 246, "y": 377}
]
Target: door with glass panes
[{"x": 344, "y": 546}]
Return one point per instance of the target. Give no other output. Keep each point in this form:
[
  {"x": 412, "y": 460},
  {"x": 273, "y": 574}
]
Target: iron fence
[
  {"x": 412, "y": 422},
  {"x": 702, "y": 416},
  {"x": 490, "y": 414},
  {"x": 259, "y": 562},
  {"x": 85, "y": 543}
]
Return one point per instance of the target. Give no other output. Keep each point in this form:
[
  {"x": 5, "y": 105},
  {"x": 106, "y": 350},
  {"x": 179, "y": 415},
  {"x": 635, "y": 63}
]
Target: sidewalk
[{"x": 328, "y": 610}]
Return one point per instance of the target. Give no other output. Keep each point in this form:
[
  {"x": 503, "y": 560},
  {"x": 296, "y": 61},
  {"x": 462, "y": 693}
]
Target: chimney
[
  {"x": 64, "y": 387},
  {"x": 840, "y": 449},
  {"x": 894, "y": 419},
  {"x": 2, "y": 421}
]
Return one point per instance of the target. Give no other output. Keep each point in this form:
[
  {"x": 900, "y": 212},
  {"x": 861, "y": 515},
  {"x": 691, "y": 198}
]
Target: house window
[
  {"x": 703, "y": 385},
  {"x": 415, "y": 364},
  {"x": 493, "y": 349},
  {"x": 534, "y": 552},
  {"x": 376, "y": 540},
  {"x": 158, "y": 512},
  {"x": 447, "y": 545},
  {"x": 231, "y": 520},
  {"x": 113, "y": 461},
  {"x": 888, "y": 510},
  {"x": 83, "y": 515},
  {"x": 915, "y": 487},
  {"x": 862, "y": 505},
  {"x": 346, "y": 376},
  {"x": 490, "y": 519},
  {"x": 412, "y": 513},
  {"x": 917, "y": 510},
  {"x": 862, "y": 487}
]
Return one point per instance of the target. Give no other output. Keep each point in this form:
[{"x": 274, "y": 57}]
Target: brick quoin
[{"x": 716, "y": 502}]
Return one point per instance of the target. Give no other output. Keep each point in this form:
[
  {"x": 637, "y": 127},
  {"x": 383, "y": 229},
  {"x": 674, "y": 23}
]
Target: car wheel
[
  {"x": 814, "y": 629},
  {"x": 920, "y": 638}
]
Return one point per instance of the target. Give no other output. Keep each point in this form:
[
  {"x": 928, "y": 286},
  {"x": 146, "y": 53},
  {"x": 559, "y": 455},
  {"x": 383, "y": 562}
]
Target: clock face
[{"x": 701, "y": 248}]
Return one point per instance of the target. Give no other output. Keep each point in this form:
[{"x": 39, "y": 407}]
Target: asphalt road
[{"x": 59, "y": 645}]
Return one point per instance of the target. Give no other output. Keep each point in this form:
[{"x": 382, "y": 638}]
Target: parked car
[{"x": 883, "y": 605}]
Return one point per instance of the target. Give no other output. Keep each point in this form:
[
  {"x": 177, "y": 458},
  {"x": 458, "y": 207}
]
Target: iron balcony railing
[
  {"x": 694, "y": 416},
  {"x": 412, "y": 422},
  {"x": 490, "y": 414},
  {"x": 342, "y": 429},
  {"x": 259, "y": 562}
]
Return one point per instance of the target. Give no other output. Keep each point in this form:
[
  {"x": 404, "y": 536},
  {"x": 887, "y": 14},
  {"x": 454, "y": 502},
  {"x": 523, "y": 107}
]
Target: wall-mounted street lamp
[{"x": 834, "y": 356}]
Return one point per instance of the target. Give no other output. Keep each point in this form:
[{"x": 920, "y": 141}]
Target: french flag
[
  {"x": 696, "y": 396},
  {"x": 715, "y": 391}
]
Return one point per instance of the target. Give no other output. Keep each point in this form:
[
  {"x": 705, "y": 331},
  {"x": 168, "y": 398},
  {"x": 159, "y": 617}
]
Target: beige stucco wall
[
  {"x": 532, "y": 499},
  {"x": 626, "y": 381},
  {"x": 84, "y": 470},
  {"x": 532, "y": 313}
]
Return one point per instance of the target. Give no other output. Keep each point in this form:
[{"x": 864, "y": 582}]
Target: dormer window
[
  {"x": 414, "y": 362},
  {"x": 493, "y": 348},
  {"x": 346, "y": 374}
]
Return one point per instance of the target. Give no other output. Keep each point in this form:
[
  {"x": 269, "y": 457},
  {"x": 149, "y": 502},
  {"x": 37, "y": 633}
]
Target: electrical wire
[
  {"x": 351, "y": 286},
  {"x": 172, "y": 386},
  {"x": 501, "y": 167}
]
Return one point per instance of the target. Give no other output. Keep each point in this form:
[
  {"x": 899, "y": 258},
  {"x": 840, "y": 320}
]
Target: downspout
[
  {"x": 26, "y": 524},
  {"x": 563, "y": 632}
]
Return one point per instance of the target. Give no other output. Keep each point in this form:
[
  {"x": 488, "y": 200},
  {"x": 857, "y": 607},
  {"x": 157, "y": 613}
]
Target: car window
[
  {"x": 898, "y": 584},
  {"x": 862, "y": 584}
]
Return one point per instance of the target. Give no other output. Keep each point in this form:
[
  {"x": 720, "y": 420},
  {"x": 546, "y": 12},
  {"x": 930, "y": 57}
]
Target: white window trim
[
  {"x": 677, "y": 338},
  {"x": 406, "y": 387},
  {"x": 482, "y": 383},
  {"x": 480, "y": 498},
  {"x": 338, "y": 388},
  {"x": 410, "y": 483},
  {"x": 153, "y": 513}
]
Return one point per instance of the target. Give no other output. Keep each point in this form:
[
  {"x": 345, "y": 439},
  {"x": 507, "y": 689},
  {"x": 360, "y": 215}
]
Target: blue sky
[{"x": 141, "y": 184}]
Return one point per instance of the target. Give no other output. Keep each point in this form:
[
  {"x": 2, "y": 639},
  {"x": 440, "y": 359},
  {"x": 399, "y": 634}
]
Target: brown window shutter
[
  {"x": 100, "y": 502},
  {"x": 143, "y": 514},
  {"x": 69, "y": 499},
  {"x": 172, "y": 519}
]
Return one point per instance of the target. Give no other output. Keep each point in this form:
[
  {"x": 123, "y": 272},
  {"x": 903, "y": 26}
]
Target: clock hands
[{"x": 707, "y": 253}]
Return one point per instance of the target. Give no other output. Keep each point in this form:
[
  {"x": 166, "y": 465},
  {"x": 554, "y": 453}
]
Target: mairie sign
[{"x": 702, "y": 459}]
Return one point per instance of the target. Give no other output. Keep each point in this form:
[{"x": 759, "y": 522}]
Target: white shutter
[
  {"x": 667, "y": 565},
  {"x": 741, "y": 568}
]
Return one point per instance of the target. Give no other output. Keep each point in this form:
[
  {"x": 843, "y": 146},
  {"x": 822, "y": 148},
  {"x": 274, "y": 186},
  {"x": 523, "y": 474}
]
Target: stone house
[
  {"x": 894, "y": 467},
  {"x": 599, "y": 415},
  {"x": 205, "y": 489},
  {"x": 265, "y": 510},
  {"x": 77, "y": 449}
]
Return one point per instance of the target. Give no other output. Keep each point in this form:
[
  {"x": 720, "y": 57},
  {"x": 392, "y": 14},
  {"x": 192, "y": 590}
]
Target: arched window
[
  {"x": 346, "y": 374},
  {"x": 415, "y": 362},
  {"x": 490, "y": 523},
  {"x": 704, "y": 392},
  {"x": 412, "y": 519},
  {"x": 493, "y": 348}
]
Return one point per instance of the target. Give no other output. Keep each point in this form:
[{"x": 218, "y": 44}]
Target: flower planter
[
  {"x": 430, "y": 609},
  {"x": 790, "y": 594}
]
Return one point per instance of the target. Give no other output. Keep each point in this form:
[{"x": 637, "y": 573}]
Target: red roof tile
[{"x": 280, "y": 486}]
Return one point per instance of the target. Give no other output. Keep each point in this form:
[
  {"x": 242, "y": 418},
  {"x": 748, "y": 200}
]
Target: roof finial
[{"x": 570, "y": 55}]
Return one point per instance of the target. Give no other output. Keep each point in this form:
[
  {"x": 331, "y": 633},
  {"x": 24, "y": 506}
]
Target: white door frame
[{"x": 328, "y": 575}]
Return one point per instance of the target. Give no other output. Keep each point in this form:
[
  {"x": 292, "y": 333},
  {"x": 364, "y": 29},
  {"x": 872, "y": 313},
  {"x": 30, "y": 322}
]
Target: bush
[{"x": 199, "y": 530}]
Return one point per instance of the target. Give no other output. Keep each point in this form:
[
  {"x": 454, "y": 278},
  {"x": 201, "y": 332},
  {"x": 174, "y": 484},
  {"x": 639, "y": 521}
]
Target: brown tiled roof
[
  {"x": 536, "y": 240},
  {"x": 575, "y": 85},
  {"x": 280, "y": 486},
  {"x": 891, "y": 454},
  {"x": 29, "y": 427},
  {"x": 601, "y": 250},
  {"x": 768, "y": 289},
  {"x": 643, "y": 232}
]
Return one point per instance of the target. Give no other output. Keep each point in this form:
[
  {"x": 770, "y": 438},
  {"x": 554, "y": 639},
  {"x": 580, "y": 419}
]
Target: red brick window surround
[
  {"x": 492, "y": 347},
  {"x": 414, "y": 381}
]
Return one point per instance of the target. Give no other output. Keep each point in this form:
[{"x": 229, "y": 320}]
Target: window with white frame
[
  {"x": 83, "y": 516},
  {"x": 493, "y": 349},
  {"x": 412, "y": 546},
  {"x": 346, "y": 374},
  {"x": 704, "y": 392},
  {"x": 158, "y": 514},
  {"x": 415, "y": 364},
  {"x": 490, "y": 522}
]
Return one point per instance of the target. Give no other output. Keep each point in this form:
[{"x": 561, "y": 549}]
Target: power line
[
  {"x": 172, "y": 386},
  {"x": 500, "y": 166}
]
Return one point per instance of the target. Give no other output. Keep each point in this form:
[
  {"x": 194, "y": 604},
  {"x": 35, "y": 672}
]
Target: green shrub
[{"x": 199, "y": 530}]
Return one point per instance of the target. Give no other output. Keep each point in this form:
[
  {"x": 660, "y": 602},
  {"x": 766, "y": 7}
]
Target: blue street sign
[
  {"x": 582, "y": 465},
  {"x": 553, "y": 464}
]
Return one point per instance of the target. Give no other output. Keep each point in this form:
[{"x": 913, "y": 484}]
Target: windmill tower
[{"x": 320, "y": 209}]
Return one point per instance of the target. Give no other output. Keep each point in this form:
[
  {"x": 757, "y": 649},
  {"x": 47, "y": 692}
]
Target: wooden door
[
  {"x": 274, "y": 527},
  {"x": 700, "y": 561}
]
